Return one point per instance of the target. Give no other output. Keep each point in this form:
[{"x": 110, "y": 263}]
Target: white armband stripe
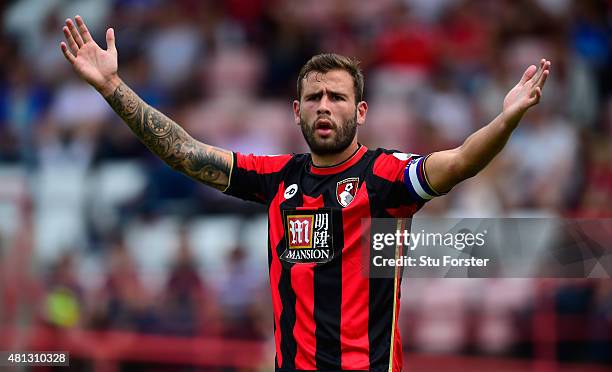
[{"x": 416, "y": 184}]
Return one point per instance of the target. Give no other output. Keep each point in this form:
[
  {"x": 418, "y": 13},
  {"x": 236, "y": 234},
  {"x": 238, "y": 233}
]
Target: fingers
[
  {"x": 544, "y": 75},
  {"x": 538, "y": 74},
  {"x": 540, "y": 77},
  {"x": 83, "y": 29},
  {"x": 528, "y": 74},
  {"x": 74, "y": 32},
  {"x": 110, "y": 40},
  {"x": 71, "y": 43},
  {"x": 535, "y": 99},
  {"x": 543, "y": 78},
  {"x": 69, "y": 56},
  {"x": 76, "y": 36}
]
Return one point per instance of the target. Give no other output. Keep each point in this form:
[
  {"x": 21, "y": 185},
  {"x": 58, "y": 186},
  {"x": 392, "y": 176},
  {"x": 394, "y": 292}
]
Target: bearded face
[
  {"x": 325, "y": 136},
  {"x": 327, "y": 112}
]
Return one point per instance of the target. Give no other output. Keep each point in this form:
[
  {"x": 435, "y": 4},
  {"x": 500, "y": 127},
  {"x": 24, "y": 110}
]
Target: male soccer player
[{"x": 328, "y": 316}]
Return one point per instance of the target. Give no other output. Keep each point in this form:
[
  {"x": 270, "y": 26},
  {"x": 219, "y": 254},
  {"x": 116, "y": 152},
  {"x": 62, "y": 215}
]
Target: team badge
[
  {"x": 346, "y": 190},
  {"x": 308, "y": 236}
]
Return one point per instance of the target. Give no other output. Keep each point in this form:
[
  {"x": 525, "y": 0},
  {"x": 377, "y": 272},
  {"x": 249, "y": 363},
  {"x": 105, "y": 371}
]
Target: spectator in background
[
  {"x": 123, "y": 302},
  {"x": 544, "y": 154},
  {"x": 600, "y": 323},
  {"x": 63, "y": 300},
  {"x": 174, "y": 31},
  {"x": 186, "y": 305},
  {"x": 596, "y": 196},
  {"x": 238, "y": 304},
  {"x": 574, "y": 299},
  {"x": 23, "y": 102}
]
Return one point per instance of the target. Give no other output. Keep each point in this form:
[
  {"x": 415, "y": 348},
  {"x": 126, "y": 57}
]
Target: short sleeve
[{"x": 254, "y": 177}]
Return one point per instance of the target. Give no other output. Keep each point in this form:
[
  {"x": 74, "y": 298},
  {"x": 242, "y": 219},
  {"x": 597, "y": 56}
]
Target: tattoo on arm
[{"x": 171, "y": 142}]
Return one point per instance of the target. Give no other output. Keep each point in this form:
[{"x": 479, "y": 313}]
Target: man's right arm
[
  {"x": 169, "y": 141},
  {"x": 160, "y": 134}
]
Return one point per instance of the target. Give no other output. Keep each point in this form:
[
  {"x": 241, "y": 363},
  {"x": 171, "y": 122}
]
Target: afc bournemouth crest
[
  {"x": 308, "y": 236},
  {"x": 346, "y": 190}
]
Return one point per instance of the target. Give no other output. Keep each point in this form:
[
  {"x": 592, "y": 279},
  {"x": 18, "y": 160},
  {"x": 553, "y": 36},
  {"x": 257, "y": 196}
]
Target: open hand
[
  {"x": 527, "y": 92},
  {"x": 93, "y": 64}
]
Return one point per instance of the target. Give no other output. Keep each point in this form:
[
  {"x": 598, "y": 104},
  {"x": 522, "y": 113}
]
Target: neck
[{"x": 334, "y": 159}]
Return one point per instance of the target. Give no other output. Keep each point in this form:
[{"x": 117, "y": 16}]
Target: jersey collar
[{"x": 333, "y": 169}]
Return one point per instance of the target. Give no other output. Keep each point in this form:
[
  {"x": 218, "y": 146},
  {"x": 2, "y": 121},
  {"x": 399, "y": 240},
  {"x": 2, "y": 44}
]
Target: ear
[
  {"x": 296, "y": 112},
  {"x": 362, "y": 110}
]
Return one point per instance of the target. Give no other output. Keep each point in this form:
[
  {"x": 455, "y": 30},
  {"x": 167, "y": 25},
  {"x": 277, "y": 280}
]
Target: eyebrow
[{"x": 331, "y": 92}]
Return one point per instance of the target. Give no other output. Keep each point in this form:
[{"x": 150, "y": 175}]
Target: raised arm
[
  {"x": 159, "y": 133},
  {"x": 445, "y": 169}
]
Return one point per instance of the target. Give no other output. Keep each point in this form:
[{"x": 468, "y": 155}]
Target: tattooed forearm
[{"x": 169, "y": 141}]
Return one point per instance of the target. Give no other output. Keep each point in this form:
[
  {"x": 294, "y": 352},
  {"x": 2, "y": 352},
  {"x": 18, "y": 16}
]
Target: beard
[{"x": 344, "y": 135}]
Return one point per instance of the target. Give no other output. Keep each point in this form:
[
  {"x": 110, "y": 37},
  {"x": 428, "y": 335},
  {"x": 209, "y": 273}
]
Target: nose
[{"x": 323, "y": 108}]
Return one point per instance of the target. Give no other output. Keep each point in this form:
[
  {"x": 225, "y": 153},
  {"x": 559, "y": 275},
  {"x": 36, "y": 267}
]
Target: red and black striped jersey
[{"x": 329, "y": 314}]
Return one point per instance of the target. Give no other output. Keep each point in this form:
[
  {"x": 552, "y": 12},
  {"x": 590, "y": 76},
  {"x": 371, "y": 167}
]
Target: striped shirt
[{"x": 329, "y": 313}]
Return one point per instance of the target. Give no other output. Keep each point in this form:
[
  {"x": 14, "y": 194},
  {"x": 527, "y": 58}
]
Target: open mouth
[{"x": 324, "y": 127}]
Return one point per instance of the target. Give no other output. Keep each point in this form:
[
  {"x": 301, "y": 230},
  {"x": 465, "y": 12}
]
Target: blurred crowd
[{"x": 435, "y": 71}]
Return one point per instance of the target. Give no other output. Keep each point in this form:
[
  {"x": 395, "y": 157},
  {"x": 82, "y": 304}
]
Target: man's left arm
[{"x": 445, "y": 169}]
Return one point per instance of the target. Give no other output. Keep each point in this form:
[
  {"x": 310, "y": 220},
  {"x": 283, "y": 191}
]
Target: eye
[{"x": 337, "y": 97}]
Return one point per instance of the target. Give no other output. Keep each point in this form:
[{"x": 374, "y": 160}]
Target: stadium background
[{"x": 107, "y": 253}]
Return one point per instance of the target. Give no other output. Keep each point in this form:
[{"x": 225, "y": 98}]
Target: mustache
[{"x": 326, "y": 118}]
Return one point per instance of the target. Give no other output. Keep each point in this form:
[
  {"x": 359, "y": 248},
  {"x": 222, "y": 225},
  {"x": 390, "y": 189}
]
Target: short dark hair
[{"x": 330, "y": 61}]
